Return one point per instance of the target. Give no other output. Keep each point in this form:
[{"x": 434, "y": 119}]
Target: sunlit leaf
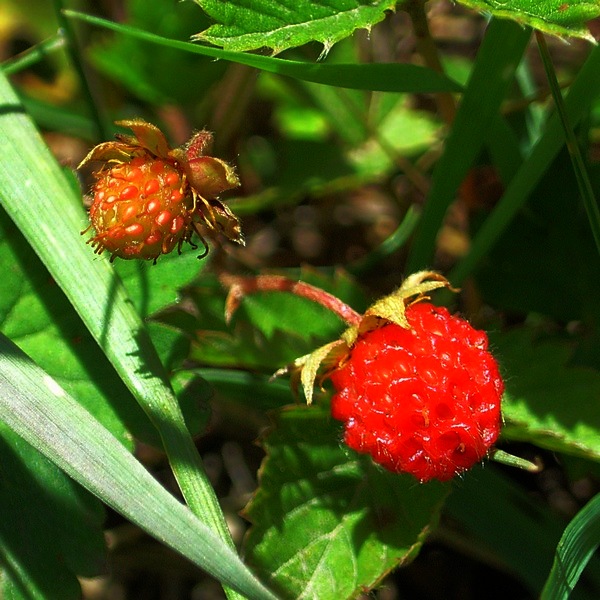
[
  {"x": 249, "y": 24},
  {"x": 326, "y": 522}
]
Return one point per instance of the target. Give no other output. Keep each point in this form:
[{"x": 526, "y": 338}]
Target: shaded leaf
[
  {"x": 155, "y": 287},
  {"x": 525, "y": 522},
  {"x": 249, "y": 24},
  {"x": 326, "y": 522},
  {"x": 158, "y": 77},
  {"x": 563, "y": 285}
]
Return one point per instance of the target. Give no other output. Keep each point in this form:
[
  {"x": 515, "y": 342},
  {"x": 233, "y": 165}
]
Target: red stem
[{"x": 243, "y": 286}]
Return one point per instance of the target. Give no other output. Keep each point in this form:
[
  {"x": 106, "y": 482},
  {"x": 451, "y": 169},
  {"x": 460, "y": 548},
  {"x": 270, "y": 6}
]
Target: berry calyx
[
  {"x": 149, "y": 199},
  {"x": 423, "y": 400}
]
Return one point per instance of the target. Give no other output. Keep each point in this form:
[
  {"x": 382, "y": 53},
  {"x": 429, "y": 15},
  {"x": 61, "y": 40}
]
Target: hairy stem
[{"x": 243, "y": 286}]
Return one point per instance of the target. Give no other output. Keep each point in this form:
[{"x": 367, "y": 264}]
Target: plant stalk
[{"x": 243, "y": 286}]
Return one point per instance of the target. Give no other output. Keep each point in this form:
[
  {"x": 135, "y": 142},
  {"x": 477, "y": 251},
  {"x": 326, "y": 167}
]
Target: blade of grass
[
  {"x": 575, "y": 548},
  {"x": 37, "y": 196},
  {"x": 583, "y": 91},
  {"x": 384, "y": 77},
  {"x": 32, "y": 56},
  {"x": 104, "y": 127},
  {"x": 497, "y": 60},
  {"x": 41, "y": 412},
  {"x": 583, "y": 180}
]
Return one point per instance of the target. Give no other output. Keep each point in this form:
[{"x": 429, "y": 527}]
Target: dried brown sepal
[
  {"x": 219, "y": 218},
  {"x": 108, "y": 152},
  {"x": 146, "y": 135}
]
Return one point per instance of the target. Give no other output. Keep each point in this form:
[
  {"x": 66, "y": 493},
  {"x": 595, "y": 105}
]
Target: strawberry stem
[{"x": 243, "y": 286}]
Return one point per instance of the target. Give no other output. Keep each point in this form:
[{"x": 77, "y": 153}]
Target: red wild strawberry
[
  {"x": 150, "y": 198},
  {"x": 423, "y": 400},
  {"x": 416, "y": 387}
]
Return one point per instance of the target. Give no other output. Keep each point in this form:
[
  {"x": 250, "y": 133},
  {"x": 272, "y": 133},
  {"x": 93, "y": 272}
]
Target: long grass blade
[
  {"x": 497, "y": 60},
  {"x": 383, "y": 77},
  {"x": 582, "y": 93},
  {"x": 41, "y": 412},
  {"x": 575, "y": 548},
  {"x": 39, "y": 199}
]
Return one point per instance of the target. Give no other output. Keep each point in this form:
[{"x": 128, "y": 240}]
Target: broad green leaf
[
  {"x": 575, "y": 549},
  {"x": 385, "y": 77},
  {"x": 326, "y": 522},
  {"x": 51, "y": 529},
  {"x": 557, "y": 17},
  {"x": 547, "y": 402},
  {"x": 155, "y": 287},
  {"x": 251, "y": 24},
  {"x": 269, "y": 330},
  {"x": 36, "y": 408}
]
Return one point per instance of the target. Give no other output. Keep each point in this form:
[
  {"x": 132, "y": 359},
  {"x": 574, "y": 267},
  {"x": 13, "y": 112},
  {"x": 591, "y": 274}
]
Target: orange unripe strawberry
[
  {"x": 141, "y": 209},
  {"x": 149, "y": 199}
]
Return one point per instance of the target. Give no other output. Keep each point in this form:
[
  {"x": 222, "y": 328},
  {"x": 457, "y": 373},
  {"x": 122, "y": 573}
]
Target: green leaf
[
  {"x": 35, "y": 407},
  {"x": 575, "y": 549},
  {"x": 51, "y": 529},
  {"x": 557, "y": 17},
  {"x": 492, "y": 515},
  {"x": 269, "y": 330},
  {"x": 322, "y": 510},
  {"x": 155, "y": 287},
  {"x": 252, "y": 24},
  {"x": 563, "y": 285},
  {"x": 547, "y": 402}
]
